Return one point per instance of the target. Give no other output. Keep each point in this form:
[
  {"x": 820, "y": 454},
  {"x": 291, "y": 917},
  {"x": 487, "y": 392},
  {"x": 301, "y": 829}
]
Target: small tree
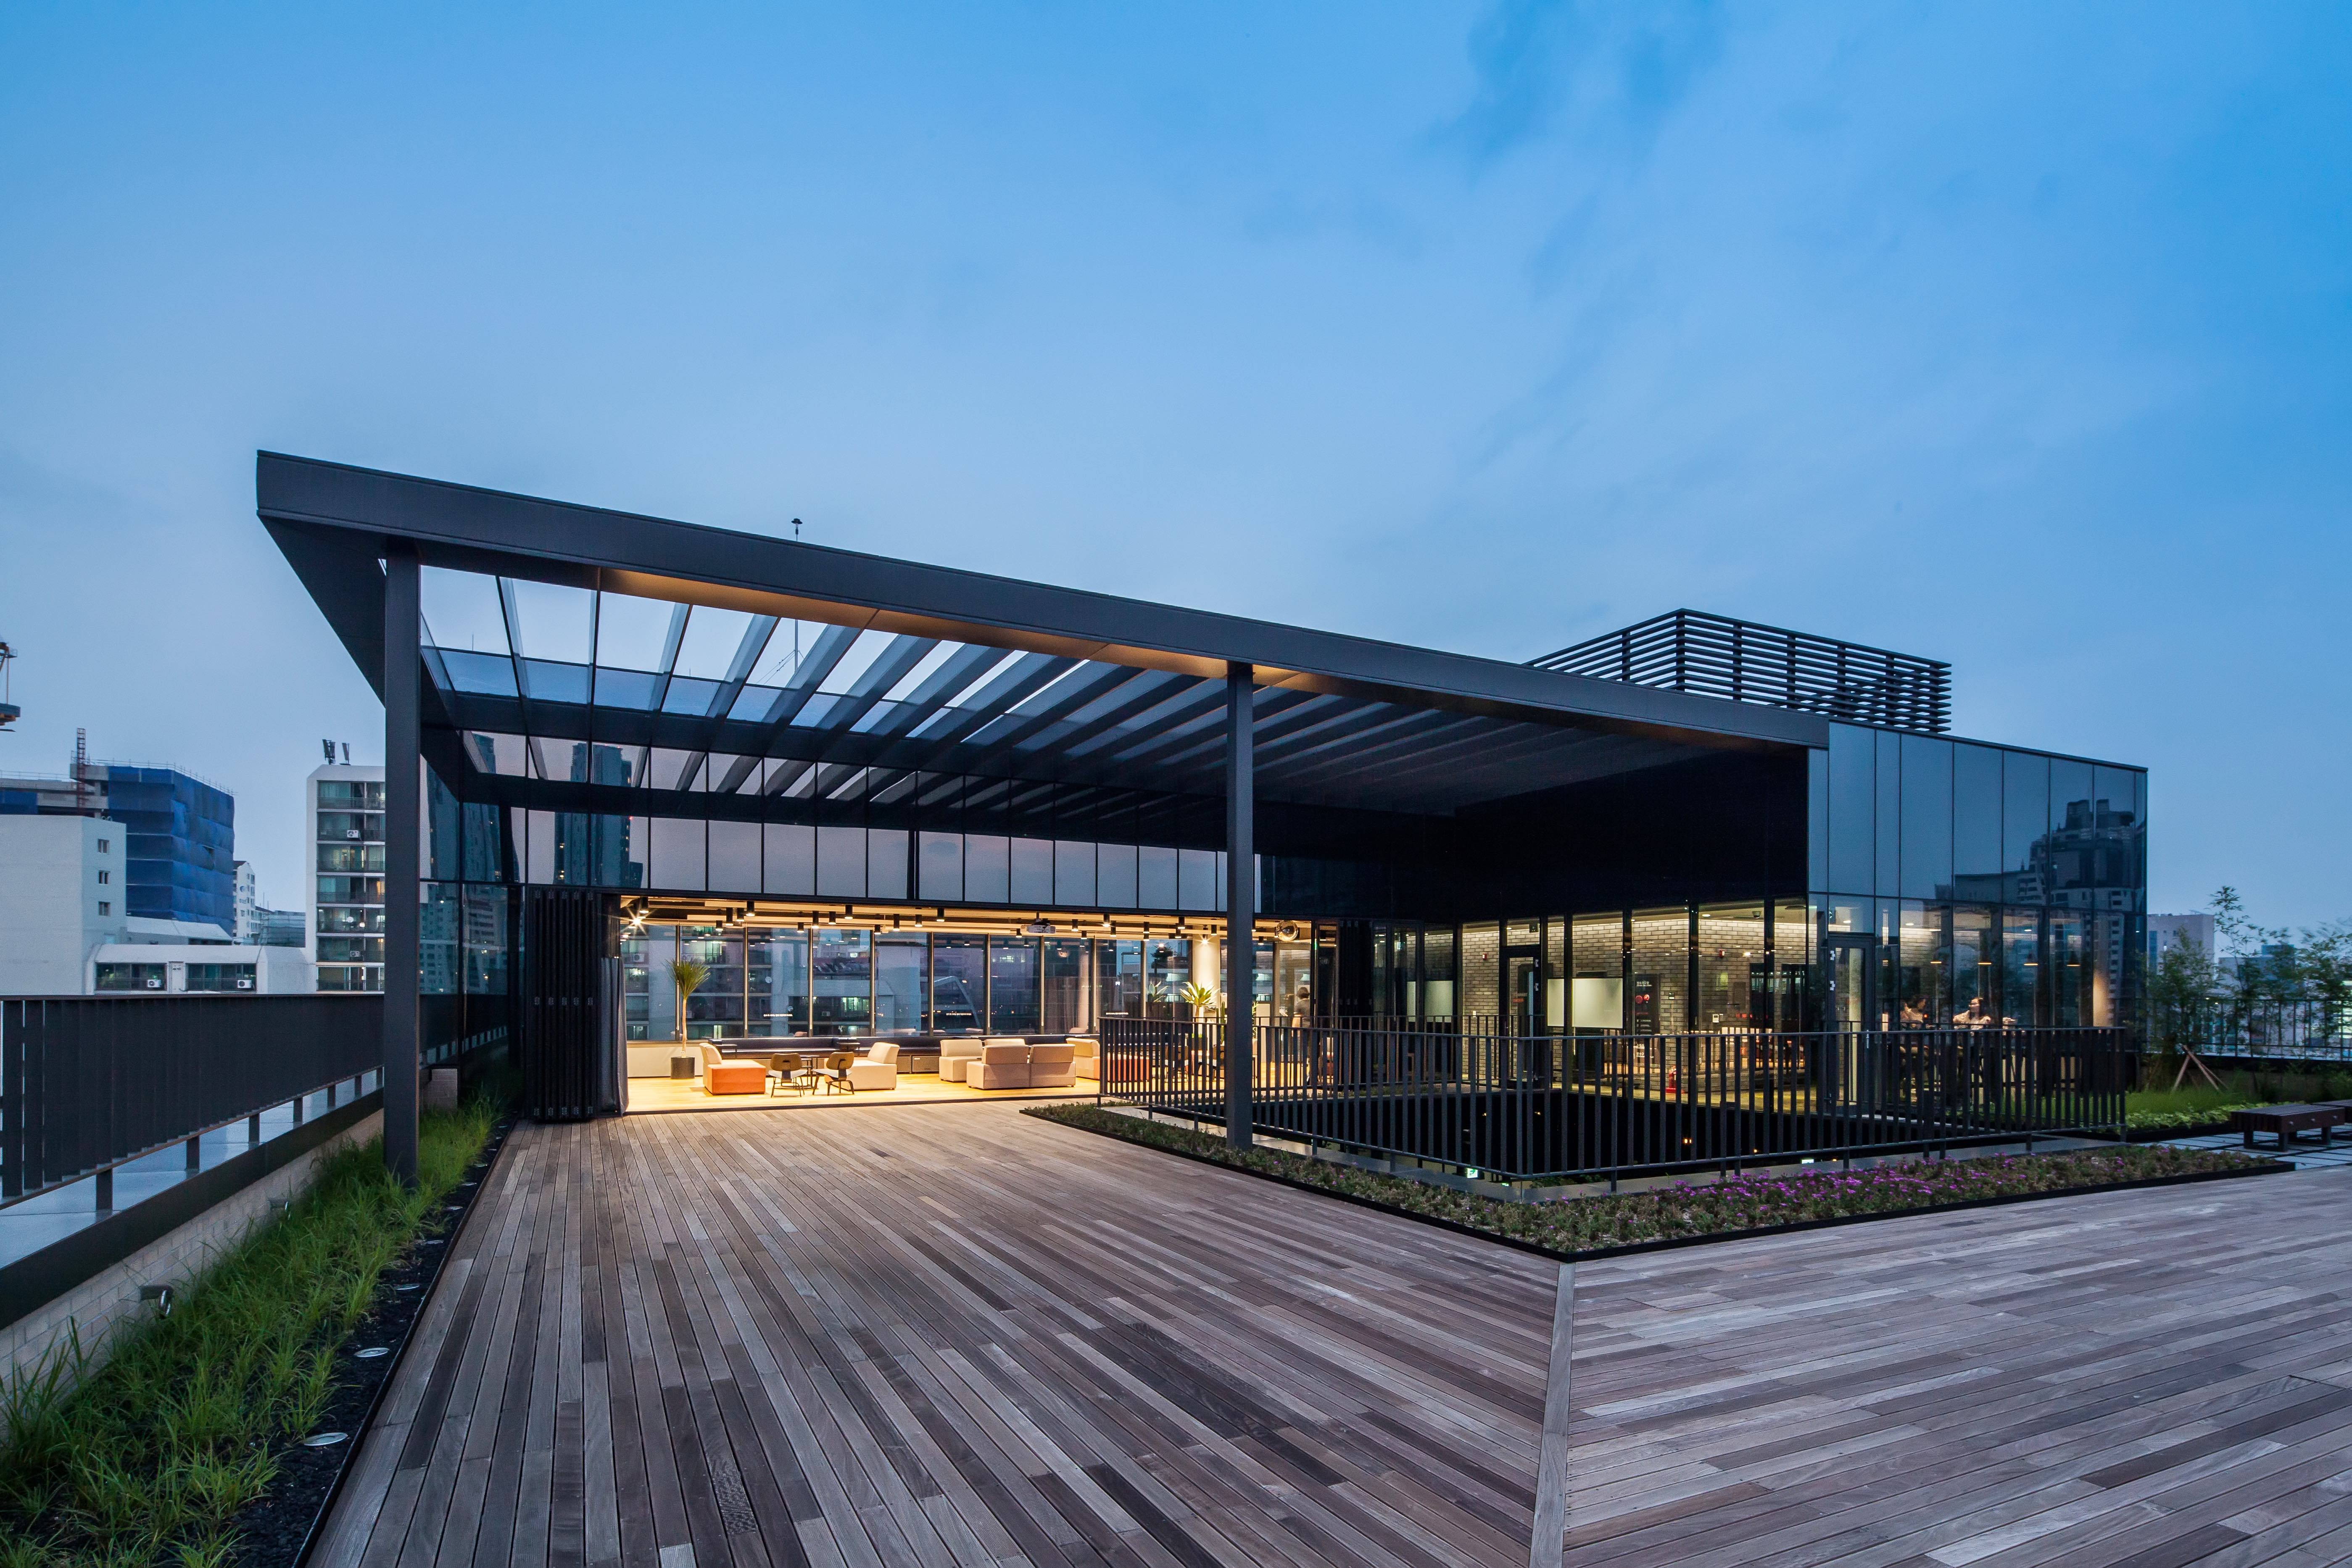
[
  {"x": 688, "y": 974},
  {"x": 2180, "y": 992}
]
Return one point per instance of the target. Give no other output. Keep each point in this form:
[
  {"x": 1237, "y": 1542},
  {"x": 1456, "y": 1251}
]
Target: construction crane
[{"x": 9, "y": 711}]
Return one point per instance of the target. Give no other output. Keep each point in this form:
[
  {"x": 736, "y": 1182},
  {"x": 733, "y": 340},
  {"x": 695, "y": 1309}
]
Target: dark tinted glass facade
[{"x": 183, "y": 845}]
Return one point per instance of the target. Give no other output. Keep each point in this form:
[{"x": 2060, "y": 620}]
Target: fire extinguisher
[{"x": 1671, "y": 1090}]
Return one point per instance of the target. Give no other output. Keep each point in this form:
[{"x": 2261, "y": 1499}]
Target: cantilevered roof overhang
[{"x": 921, "y": 670}]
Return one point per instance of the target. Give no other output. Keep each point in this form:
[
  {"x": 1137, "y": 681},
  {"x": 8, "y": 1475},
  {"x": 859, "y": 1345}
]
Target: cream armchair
[{"x": 878, "y": 1068}]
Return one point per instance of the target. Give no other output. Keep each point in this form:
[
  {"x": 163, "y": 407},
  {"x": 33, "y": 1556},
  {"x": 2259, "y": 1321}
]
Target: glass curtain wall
[
  {"x": 958, "y": 984},
  {"x": 1118, "y": 978},
  {"x": 840, "y": 974},
  {"x": 1734, "y": 973},
  {"x": 1012, "y": 994},
  {"x": 1596, "y": 980},
  {"x": 1167, "y": 970},
  {"x": 1661, "y": 978},
  {"x": 901, "y": 983},
  {"x": 1062, "y": 985}
]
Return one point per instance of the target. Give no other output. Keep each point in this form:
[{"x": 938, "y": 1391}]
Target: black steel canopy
[{"x": 905, "y": 672}]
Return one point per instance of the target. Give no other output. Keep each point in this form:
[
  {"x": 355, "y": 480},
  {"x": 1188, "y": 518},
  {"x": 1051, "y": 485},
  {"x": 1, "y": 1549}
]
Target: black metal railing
[
  {"x": 88, "y": 1083},
  {"x": 1715, "y": 655},
  {"x": 1520, "y": 1107}
]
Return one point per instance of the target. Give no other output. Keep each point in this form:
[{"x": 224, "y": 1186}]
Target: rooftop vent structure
[{"x": 1715, "y": 655}]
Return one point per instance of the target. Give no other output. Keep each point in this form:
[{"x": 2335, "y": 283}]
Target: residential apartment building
[{"x": 343, "y": 845}]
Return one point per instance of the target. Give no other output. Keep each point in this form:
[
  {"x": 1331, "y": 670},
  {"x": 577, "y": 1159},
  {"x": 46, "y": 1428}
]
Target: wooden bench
[{"x": 2288, "y": 1122}]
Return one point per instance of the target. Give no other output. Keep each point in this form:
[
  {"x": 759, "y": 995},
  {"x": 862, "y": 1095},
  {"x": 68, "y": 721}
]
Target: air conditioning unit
[
  {"x": 154, "y": 983},
  {"x": 245, "y": 983}
]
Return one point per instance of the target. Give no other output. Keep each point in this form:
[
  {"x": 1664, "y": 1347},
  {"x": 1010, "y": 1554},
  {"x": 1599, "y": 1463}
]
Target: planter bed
[
  {"x": 185, "y": 1445},
  {"x": 1602, "y": 1226},
  {"x": 276, "y": 1530}
]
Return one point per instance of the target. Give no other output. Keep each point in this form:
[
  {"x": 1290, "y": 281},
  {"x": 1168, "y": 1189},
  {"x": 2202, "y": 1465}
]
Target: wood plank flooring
[{"x": 952, "y": 1336}]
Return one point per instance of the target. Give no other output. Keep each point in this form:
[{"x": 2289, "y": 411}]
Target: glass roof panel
[
  {"x": 552, "y": 621},
  {"x": 630, "y": 631},
  {"x": 552, "y": 683},
  {"x": 687, "y": 696},
  {"x": 712, "y": 637},
  {"x": 862, "y": 654},
  {"x": 922, "y": 670},
  {"x": 751, "y": 703},
  {"x": 480, "y": 674},
  {"x": 495, "y": 753},
  {"x": 461, "y": 610},
  {"x": 626, "y": 687},
  {"x": 787, "y": 645}
]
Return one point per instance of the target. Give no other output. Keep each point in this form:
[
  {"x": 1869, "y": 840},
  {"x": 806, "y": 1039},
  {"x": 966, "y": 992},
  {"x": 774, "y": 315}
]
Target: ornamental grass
[{"x": 148, "y": 1456}]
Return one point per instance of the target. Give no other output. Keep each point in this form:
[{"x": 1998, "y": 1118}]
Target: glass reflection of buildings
[
  {"x": 1891, "y": 879},
  {"x": 1980, "y": 884}
]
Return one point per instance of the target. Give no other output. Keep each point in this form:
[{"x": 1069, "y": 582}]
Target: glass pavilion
[{"x": 878, "y": 797}]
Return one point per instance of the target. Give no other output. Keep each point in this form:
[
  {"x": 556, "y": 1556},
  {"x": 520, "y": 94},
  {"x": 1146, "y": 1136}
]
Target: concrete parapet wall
[{"x": 101, "y": 1304}]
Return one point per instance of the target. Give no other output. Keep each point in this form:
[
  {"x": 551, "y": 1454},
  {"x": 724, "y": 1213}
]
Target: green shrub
[
  {"x": 148, "y": 1459},
  {"x": 1695, "y": 1209}
]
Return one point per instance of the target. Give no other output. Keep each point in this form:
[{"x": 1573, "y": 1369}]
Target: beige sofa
[
  {"x": 878, "y": 1068},
  {"x": 957, "y": 1052},
  {"x": 1087, "y": 1061},
  {"x": 1014, "y": 1064}
]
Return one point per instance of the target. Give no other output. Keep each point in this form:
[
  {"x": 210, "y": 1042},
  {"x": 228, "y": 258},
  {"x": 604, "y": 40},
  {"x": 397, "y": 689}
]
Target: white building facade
[
  {"x": 171, "y": 968},
  {"x": 61, "y": 898},
  {"x": 246, "y": 916}
]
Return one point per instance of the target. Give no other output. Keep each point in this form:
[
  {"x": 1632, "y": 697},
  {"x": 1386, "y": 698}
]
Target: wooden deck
[{"x": 951, "y": 1334}]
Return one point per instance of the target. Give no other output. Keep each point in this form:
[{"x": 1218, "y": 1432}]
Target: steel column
[
  {"x": 401, "y": 807},
  {"x": 1240, "y": 901}
]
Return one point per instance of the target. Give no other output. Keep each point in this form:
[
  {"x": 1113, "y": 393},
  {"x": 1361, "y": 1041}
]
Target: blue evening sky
[{"x": 2018, "y": 336}]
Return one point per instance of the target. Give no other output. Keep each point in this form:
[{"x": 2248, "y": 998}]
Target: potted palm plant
[{"x": 689, "y": 974}]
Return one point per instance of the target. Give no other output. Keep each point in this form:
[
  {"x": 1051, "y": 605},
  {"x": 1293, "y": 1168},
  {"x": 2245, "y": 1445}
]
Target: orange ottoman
[{"x": 735, "y": 1078}]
